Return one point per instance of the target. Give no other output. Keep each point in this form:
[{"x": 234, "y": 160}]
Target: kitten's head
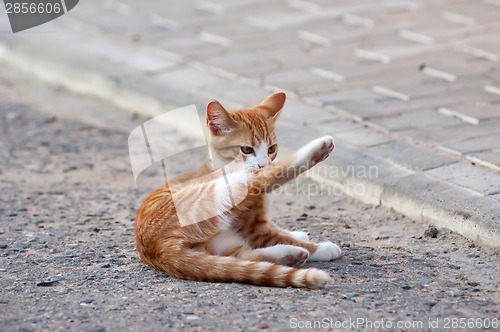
[{"x": 248, "y": 133}]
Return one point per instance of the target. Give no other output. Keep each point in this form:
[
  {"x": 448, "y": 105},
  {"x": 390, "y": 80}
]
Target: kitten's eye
[
  {"x": 272, "y": 149},
  {"x": 246, "y": 149}
]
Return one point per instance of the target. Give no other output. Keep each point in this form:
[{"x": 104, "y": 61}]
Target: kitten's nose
[{"x": 260, "y": 166}]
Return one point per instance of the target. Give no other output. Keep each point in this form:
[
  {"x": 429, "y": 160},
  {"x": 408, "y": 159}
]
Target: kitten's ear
[
  {"x": 273, "y": 104},
  {"x": 219, "y": 121}
]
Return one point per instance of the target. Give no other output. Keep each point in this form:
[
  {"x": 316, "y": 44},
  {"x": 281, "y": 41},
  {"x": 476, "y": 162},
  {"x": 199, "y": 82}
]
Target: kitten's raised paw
[
  {"x": 323, "y": 150},
  {"x": 301, "y": 236},
  {"x": 316, "y": 151},
  {"x": 326, "y": 251}
]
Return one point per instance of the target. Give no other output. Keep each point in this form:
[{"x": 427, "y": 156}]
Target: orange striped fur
[{"x": 175, "y": 233}]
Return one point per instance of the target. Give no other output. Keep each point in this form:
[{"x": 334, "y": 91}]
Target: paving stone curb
[{"x": 143, "y": 82}]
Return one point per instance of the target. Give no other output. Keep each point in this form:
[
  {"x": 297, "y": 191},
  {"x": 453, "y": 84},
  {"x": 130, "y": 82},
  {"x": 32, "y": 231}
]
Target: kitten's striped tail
[{"x": 199, "y": 266}]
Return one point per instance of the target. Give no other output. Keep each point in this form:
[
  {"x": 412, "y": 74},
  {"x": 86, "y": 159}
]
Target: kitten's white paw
[
  {"x": 301, "y": 236},
  {"x": 316, "y": 151},
  {"x": 326, "y": 251},
  {"x": 287, "y": 254}
]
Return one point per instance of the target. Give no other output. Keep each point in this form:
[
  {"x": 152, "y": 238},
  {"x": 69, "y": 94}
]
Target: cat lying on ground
[{"x": 211, "y": 224}]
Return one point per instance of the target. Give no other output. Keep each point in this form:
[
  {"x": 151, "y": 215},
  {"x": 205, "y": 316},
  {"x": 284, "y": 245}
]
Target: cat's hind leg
[
  {"x": 231, "y": 244},
  {"x": 262, "y": 234},
  {"x": 286, "y": 254}
]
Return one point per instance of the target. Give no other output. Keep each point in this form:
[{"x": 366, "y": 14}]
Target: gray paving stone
[
  {"x": 300, "y": 113},
  {"x": 414, "y": 91},
  {"x": 489, "y": 158},
  {"x": 299, "y": 82},
  {"x": 332, "y": 126},
  {"x": 243, "y": 36},
  {"x": 239, "y": 96},
  {"x": 296, "y": 55},
  {"x": 452, "y": 134},
  {"x": 416, "y": 119},
  {"x": 492, "y": 89},
  {"x": 341, "y": 72},
  {"x": 341, "y": 6},
  {"x": 394, "y": 9},
  {"x": 471, "y": 13},
  {"x": 187, "y": 46},
  {"x": 441, "y": 31},
  {"x": 485, "y": 142},
  {"x": 362, "y": 136},
  {"x": 440, "y": 53},
  {"x": 394, "y": 106},
  {"x": 410, "y": 156},
  {"x": 285, "y": 18},
  {"x": 356, "y": 23},
  {"x": 432, "y": 24},
  {"x": 190, "y": 21},
  {"x": 368, "y": 110},
  {"x": 472, "y": 113},
  {"x": 188, "y": 77},
  {"x": 449, "y": 62},
  {"x": 221, "y": 7},
  {"x": 393, "y": 46},
  {"x": 331, "y": 32},
  {"x": 495, "y": 76},
  {"x": 118, "y": 20},
  {"x": 461, "y": 70},
  {"x": 357, "y": 74},
  {"x": 420, "y": 93},
  {"x": 345, "y": 95},
  {"x": 288, "y": 141},
  {"x": 486, "y": 47},
  {"x": 256, "y": 63},
  {"x": 178, "y": 17},
  {"x": 468, "y": 176}
]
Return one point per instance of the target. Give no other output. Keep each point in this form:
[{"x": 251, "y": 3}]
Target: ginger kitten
[{"x": 211, "y": 224}]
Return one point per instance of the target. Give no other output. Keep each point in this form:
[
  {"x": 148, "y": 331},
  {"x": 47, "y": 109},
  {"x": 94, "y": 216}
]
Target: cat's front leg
[
  {"x": 272, "y": 176},
  {"x": 314, "y": 152},
  {"x": 325, "y": 251}
]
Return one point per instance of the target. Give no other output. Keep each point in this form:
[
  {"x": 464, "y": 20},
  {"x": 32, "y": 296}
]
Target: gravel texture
[{"x": 67, "y": 258}]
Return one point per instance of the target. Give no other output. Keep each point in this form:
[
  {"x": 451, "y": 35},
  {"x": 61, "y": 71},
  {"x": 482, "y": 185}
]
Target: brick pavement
[{"x": 412, "y": 87}]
